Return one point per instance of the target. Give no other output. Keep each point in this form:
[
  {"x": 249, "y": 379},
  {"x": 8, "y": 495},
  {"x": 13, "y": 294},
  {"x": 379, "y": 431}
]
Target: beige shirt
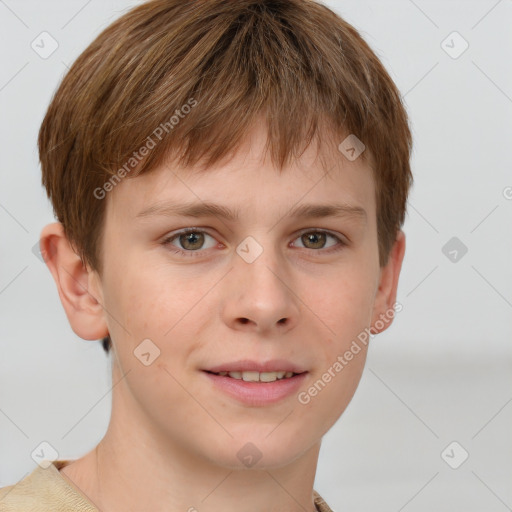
[{"x": 46, "y": 490}]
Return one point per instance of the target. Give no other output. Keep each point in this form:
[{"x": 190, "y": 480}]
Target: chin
[{"x": 258, "y": 452}]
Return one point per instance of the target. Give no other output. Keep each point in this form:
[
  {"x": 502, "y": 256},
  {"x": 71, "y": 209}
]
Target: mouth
[
  {"x": 253, "y": 376},
  {"x": 257, "y": 389}
]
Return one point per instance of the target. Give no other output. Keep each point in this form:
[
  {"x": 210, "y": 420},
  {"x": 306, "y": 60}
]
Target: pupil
[
  {"x": 191, "y": 238},
  {"x": 314, "y": 238}
]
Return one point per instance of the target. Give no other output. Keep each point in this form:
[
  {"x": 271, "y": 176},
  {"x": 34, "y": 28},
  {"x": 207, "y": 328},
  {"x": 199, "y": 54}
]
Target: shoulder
[
  {"x": 43, "y": 490},
  {"x": 19, "y": 496},
  {"x": 320, "y": 504},
  {"x": 4, "y": 492}
]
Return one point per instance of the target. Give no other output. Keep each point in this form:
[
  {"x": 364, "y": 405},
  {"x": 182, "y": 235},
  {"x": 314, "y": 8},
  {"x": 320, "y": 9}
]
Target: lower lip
[{"x": 257, "y": 393}]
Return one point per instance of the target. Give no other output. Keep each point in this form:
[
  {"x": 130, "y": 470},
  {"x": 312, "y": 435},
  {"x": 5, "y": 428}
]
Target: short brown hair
[{"x": 294, "y": 61}]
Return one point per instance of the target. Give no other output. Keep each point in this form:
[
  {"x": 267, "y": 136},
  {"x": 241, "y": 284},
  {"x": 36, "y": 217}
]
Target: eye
[
  {"x": 316, "y": 239},
  {"x": 190, "y": 241}
]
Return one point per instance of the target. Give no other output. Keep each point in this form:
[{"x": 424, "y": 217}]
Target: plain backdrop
[{"x": 440, "y": 374}]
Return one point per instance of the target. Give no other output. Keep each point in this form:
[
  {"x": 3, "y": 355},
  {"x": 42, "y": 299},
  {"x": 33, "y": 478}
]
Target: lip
[
  {"x": 247, "y": 365},
  {"x": 257, "y": 394}
]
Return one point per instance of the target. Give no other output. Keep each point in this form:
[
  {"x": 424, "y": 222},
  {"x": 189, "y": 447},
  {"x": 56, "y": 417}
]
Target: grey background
[{"x": 440, "y": 373}]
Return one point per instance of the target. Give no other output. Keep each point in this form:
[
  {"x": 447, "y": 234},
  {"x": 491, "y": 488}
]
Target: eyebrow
[{"x": 208, "y": 209}]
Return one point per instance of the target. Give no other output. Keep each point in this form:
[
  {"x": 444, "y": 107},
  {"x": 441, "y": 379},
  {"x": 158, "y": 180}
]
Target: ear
[
  {"x": 79, "y": 287},
  {"x": 385, "y": 296}
]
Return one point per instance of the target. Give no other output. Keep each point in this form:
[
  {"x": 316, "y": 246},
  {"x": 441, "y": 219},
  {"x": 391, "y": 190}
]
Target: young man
[{"x": 230, "y": 180}]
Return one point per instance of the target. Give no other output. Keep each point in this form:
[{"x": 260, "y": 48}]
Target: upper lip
[{"x": 246, "y": 365}]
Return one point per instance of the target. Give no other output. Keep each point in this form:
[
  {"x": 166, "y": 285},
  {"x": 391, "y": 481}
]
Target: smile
[
  {"x": 249, "y": 376},
  {"x": 257, "y": 389}
]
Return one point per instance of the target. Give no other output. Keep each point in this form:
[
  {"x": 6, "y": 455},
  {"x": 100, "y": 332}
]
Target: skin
[{"x": 172, "y": 440}]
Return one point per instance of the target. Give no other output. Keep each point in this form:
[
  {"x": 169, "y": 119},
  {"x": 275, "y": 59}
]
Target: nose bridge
[
  {"x": 260, "y": 291},
  {"x": 259, "y": 264}
]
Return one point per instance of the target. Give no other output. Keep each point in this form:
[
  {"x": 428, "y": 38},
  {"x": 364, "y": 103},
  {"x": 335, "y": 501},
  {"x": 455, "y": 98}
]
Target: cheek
[
  {"x": 346, "y": 307},
  {"x": 139, "y": 292},
  {"x": 345, "y": 304},
  {"x": 155, "y": 302},
  {"x": 326, "y": 397}
]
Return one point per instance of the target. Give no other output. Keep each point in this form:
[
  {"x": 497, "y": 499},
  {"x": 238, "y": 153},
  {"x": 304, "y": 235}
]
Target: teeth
[
  {"x": 251, "y": 376},
  {"x": 257, "y": 376}
]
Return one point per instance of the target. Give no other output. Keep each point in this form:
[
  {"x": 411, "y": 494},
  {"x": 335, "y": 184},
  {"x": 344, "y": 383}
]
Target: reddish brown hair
[{"x": 296, "y": 62}]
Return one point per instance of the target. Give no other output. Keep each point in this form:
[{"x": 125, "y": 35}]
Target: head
[{"x": 244, "y": 105}]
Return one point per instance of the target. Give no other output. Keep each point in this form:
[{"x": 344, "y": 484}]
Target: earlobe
[
  {"x": 385, "y": 299},
  {"x": 82, "y": 304}
]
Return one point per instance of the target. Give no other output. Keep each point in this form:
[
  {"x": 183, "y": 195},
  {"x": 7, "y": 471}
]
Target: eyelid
[
  {"x": 342, "y": 238},
  {"x": 175, "y": 234}
]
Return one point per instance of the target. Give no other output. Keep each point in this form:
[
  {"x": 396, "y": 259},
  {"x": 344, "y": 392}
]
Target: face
[{"x": 207, "y": 291}]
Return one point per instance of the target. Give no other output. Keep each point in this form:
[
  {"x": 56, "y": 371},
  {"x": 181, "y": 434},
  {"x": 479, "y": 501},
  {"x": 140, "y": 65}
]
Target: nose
[{"x": 260, "y": 295}]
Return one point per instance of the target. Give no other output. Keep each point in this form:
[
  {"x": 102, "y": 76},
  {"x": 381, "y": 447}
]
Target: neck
[{"x": 136, "y": 467}]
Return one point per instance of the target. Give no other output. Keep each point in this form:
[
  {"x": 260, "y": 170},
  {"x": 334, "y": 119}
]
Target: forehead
[{"x": 249, "y": 183}]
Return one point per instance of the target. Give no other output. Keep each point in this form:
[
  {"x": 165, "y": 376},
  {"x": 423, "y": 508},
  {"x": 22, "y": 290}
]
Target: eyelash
[{"x": 188, "y": 253}]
